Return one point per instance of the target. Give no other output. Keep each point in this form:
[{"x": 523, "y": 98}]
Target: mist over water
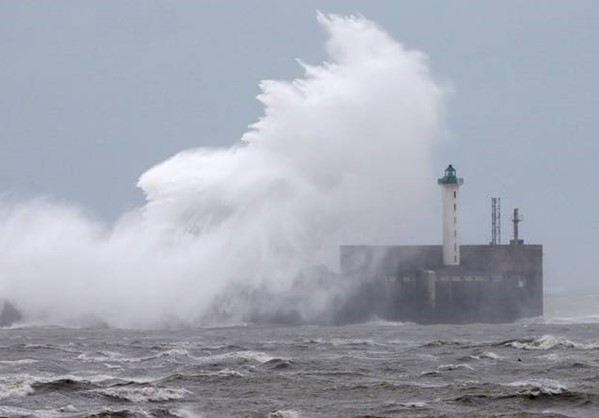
[{"x": 341, "y": 155}]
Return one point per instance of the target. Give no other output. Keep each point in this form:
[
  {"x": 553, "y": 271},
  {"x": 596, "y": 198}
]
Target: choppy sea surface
[{"x": 535, "y": 367}]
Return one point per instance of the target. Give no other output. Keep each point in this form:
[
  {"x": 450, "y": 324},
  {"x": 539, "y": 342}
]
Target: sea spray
[{"x": 341, "y": 155}]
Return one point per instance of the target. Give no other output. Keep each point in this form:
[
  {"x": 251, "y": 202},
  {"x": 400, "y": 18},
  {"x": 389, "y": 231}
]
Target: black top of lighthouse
[{"x": 450, "y": 177}]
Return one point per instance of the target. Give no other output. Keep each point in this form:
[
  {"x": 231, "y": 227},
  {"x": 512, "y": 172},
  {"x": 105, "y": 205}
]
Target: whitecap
[
  {"x": 537, "y": 387},
  {"x": 485, "y": 355},
  {"x": 20, "y": 361},
  {"x": 185, "y": 413},
  {"x": 413, "y": 404},
  {"x": 13, "y": 411},
  {"x": 144, "y": 393},
  {"x": 583, "y": 319},
  {"x": 10, "y": 389},
  {"x": 99, "y": 356},
  {"x": 445, "y": 367},
  {"x": 256, "y": 356},
  {"x": 547, "y": 342},
  {"x": 490, "y": 355},
  {"x": 289, "y": 413},
  {"x": 173, "y": 352}
]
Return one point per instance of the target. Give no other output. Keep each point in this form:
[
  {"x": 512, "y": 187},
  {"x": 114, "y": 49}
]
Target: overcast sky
[{"x": 93, "y": 93}]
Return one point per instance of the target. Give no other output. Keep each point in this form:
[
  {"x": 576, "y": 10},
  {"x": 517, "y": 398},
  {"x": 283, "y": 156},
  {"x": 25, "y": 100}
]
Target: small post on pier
[{"x": 516, "y": 219}]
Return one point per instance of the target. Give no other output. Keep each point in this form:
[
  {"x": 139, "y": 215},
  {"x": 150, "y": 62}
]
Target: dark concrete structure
[
  {"x": 450, "y": 283},
  {"x": 492, "y": 283},
  {"x": 8, "y": 314}
]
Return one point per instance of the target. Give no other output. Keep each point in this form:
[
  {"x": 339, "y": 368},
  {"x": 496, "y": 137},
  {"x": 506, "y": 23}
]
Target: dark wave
[
  {"x": 63, "y": 385},
  {"x": 441, "y": 343},
  {"x": 109, "y": 413},
  {"x": 199, "y": 376},
  {"x": 128, "y": 413},
  {"x": 277, "y": 364},
  {"x": 535, "y": 392}
]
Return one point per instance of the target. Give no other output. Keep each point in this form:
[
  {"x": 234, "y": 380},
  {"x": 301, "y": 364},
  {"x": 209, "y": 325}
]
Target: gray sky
[{"x": 93, "y": 93}]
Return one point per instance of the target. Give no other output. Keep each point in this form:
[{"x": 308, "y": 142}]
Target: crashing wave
[
  {"x": 135, "y": 393},
  {"x": 547, "y": 342},
  {"x": 539, "y": 387},
  {"x": 15, "y": 389}
]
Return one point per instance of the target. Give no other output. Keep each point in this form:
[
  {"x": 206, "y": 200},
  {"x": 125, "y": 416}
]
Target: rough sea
[{"x": 535, "y": 367}]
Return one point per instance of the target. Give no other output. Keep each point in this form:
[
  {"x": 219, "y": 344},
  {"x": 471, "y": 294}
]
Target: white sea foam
[
  {"x": 353, "y": 341},
  {"x": 173, "y": 352},
  {"x": 20, "y": 361},
  {"x": 486, "y": 355},
  {"x": 99, "y": 356},
  {"x": 248, "y": 355},
  {"x": 449, "y": 367},
  {"x": 185, "y": 413},
  {"x": 116, "y": 357},
  {"x": 547, "y": 342},
  {"x": 287, "y": 413},
  {"x": 13, "y": 411},
  {"x": 538, "y": 387},
  {"x": 490, "y": 355},
  {"x": 377, "y": 322},
  {"x": 582, "y": 319},
  {"x": 255, "y": 356},
  {"x": 10, "y": 389},
  {"x": 112, "y": 366},
  {"x": 144, "y": 393},
  {"x": 226, "y": 373},
  {"x": 68, "y": 408},
  {"x": 413, "y": 404}
]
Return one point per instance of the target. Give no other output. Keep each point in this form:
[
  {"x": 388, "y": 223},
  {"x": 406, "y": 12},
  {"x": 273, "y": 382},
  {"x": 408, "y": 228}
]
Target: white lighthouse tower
[{"x": 451, "y": 245}]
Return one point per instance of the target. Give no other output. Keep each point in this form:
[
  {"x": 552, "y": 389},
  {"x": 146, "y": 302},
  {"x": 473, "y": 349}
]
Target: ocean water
[{"x": 535, "y": 367}]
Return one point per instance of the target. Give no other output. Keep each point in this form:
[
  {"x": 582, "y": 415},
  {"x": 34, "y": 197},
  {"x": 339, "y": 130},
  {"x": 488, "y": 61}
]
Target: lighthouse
[{"x": 451, "y": 246}]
